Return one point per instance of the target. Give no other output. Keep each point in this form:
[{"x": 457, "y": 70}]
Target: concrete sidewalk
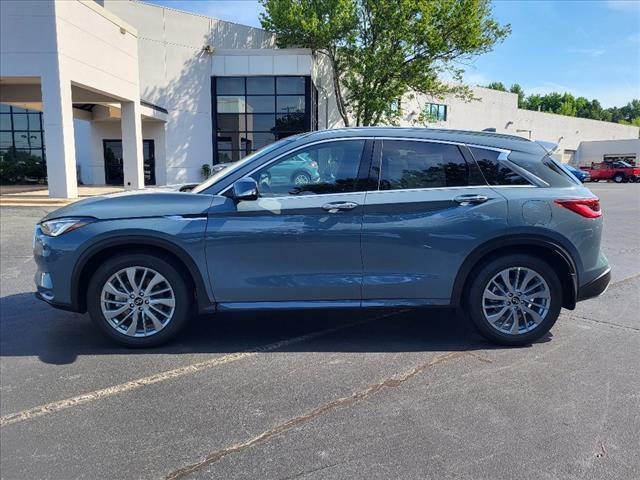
[{"x": 38, "y": 195}]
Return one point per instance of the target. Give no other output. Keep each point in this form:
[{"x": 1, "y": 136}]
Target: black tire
[
  {"x": 618, "y": 178},
  {"x": 595, "y": 180},
  {"x": 173, "y": 275},
  {"x": 482, "y": 277}
]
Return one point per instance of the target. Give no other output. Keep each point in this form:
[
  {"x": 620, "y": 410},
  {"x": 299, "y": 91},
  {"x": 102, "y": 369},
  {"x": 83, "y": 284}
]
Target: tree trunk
[{"x": 338, "y": 90}]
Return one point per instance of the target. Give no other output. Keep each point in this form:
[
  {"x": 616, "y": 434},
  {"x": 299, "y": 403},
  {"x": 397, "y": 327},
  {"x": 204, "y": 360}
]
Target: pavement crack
[
  {"x": 603, "y": 322},
  {"x": 391, "y": 382}
]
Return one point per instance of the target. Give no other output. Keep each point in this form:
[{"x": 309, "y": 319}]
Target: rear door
[{"x": 430, "y": 210}]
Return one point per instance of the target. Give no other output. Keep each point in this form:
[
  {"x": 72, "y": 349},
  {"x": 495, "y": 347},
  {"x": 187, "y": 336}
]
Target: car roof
[{"x": 470, "y": 137}]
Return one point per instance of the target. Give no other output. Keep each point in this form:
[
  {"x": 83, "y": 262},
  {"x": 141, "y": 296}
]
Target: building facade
[{"x": 135, "y": 94}]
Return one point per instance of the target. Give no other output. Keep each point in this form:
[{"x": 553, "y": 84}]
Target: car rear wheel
[
  {"x": 301, "y": 178},
  {"x": 515, "y": 299},
  {"x": 618, "y": 178},
  {"x": 138, "y": 300}
]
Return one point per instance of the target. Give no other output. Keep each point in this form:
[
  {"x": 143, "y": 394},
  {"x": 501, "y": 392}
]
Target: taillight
[{"x": 587, "y": 207}]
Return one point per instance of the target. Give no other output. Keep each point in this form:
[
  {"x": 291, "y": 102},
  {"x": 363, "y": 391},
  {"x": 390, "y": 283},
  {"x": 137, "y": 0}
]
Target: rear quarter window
[{"x": 495, "y": 172}]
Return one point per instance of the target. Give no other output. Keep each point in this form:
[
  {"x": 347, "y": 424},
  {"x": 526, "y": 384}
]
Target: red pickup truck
[{"x": 618, "y": 171}]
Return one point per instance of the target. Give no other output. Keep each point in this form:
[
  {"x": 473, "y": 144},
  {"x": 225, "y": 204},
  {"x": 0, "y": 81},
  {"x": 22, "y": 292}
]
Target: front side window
[
  {"x": 330, "y": 167},
  {"x": 406, "y": 164},
  {"x": 495, "y": 172}
]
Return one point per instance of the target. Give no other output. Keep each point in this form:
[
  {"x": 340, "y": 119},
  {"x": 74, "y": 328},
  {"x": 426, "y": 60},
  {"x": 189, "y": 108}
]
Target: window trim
[{"x": 364, "y": 166}]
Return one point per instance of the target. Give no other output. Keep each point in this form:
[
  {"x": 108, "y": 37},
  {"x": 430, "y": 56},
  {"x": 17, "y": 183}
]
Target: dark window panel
[
  {"x": 260, "y": 86},
  {"x": 261, "y": 139},
  {"x": 4, "y": 108},
  {"x": 230, "y": 122},
  {"x": 281, "y": 135},
  {"x": 230, "y": 86},
  {"x": 263, "y": 122},
  {"x": 260, "y": 104},
  {"x": 232, "y": 140},
  {"x": 290, "y": 104},
  {"x": 34, "y": 121},
  {"x": 5, "y": 121},
  {"x": 36, "y": 152},
  {"x": 495, "y": 172},
  {"x": 290, "y": 85},
  {"x": 19, "y": 110},
  {"x": 225, "y": 156},
  {"x": 290, "y": 122},
  {"x": 230, "y": 104},
  {"x": 20, "y": 122}
]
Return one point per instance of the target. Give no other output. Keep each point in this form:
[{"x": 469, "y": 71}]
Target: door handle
[
  {"x": 338, "y": 206},
  {"x": 471, "y": 199}
]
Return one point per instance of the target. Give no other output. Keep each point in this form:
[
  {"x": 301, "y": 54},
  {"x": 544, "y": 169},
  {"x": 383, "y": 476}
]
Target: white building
[{"x": 135, "y": 94}]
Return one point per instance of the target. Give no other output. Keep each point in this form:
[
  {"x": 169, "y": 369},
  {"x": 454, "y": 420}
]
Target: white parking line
[{"x": 160, "y": 377}]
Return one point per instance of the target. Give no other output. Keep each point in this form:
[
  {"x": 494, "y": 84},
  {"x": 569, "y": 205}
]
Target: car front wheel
[
  {"x": 138, "y": 300},
  {"x": 515, "y": 299}
]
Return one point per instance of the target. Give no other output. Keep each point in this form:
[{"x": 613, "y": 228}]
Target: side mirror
[{"x": 245, "y": 189}]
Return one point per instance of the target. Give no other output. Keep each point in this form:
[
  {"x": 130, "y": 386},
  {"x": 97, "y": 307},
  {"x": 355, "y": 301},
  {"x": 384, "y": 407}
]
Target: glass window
[
  {"x": 34, "y": 121},
  {"x": 290, "y": 85},
  {"x": 6, "y": 140},
  {"x": 260, "y": 104},
  {"x": 436, "y": 111},
  {"x": 4, "y": 108},
  {"x": 291, "y": 104},
  {"x": 408, "y": 164},
  {"x": 494, "y": 171},
  {"x": 225, "y": 156},
  {"x": 261, "y": 122},
  {"x": 290, "y": 122},
  {"x": 230, "y": 86},
  {"x": 35, "y": 139},
  {"x": 5, "y": 121},
  {"x": 20, "y": 122},
  {"x": 325, "y": 168},
  {"x": 21, "y": 139},
  {"x": 260, "y": 86},
  {"x": 230, "y": 104},
  {"x": 260, "y": 139},
  {"x": 230, "y": 122}
]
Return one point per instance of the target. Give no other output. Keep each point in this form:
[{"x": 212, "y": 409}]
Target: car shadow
[{"x": 29, "y": 327}]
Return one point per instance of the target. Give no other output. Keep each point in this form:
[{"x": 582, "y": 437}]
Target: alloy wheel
[
  {"x": 137, "y": 301},
  {"x": 516, "y": 300}
]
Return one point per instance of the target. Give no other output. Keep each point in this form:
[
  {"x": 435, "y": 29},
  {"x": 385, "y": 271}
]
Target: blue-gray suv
[{"x": 490, "y": 224}]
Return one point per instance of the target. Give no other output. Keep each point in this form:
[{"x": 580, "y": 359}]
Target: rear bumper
[{"x": 595, "y": 287}]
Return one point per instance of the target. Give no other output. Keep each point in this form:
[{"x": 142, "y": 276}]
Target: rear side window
[
  {"x": 406, "y": 164},
  {"x": 494, "y": 171}
]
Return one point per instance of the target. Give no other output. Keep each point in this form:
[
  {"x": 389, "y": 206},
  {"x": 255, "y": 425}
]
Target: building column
[
  {"x": 59, "y": 138},
  {"x": 132, "y": 157}
]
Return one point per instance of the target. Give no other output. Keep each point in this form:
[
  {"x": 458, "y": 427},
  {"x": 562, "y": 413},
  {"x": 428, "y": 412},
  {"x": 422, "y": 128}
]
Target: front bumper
[{"x": 595, "y": 287}]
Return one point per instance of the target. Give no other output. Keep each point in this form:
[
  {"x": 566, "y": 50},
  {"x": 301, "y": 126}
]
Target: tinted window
[
  {"x": 413, "y": 164},
  {"x": 494, "y": 171},
  {"x": 324, "y": 168}
]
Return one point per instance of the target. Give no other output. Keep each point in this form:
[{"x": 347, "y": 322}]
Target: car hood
[{"x": 150, "y": 203}]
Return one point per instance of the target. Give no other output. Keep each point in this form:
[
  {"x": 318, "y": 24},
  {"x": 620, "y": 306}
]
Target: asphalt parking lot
[{"x": 324, "y": 395}]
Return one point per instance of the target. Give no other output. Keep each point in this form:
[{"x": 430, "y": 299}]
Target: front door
[
  {"x": 300, "y": 241},
  {"x": 113, "y": 163},
  {"x": 431, "y": 209}
]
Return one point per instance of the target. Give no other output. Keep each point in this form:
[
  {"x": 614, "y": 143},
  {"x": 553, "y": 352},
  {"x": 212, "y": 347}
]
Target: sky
[{"x": 589, "y": 48}]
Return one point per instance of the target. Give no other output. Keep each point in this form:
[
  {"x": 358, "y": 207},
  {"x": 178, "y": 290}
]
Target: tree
[
  {"x": 497, "y": 86},
  {"x": 517, "y": 89},
  {"x": 379, "y": 50}
]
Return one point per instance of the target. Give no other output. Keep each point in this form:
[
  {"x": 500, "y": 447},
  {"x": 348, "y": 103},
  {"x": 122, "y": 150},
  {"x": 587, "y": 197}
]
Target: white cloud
[{"x": 591, "y": 52}]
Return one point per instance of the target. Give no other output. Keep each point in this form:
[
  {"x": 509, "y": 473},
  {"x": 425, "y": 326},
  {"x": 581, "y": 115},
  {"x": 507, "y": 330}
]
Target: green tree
[
  {"x": 379, "y": 50},
  {"x": 517, "y": 89},
  {"x": 497, "y": 86}
]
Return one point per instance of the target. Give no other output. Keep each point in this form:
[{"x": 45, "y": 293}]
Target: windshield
[{"x": 240, "y": 163}]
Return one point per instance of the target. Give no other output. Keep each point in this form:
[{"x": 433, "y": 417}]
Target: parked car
[
  {"x": 581, "y": 175},
  {"x": 489, "y": 224},
  {"x": 618, "y": 171}
]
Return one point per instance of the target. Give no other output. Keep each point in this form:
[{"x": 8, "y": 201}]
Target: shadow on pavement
[{"x": 29, "y": 327}]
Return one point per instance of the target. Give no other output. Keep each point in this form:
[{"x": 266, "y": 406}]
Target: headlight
[{"x": 58, "y": 226}]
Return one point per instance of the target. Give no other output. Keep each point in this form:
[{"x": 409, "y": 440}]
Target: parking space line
[
  {"x": 393, "y": 381},
  {"x": 163, "y": 376}
]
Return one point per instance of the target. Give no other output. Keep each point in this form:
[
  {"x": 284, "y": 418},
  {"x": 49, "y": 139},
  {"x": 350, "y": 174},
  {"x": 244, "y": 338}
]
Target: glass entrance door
[{"x": 113, "y": 166}]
